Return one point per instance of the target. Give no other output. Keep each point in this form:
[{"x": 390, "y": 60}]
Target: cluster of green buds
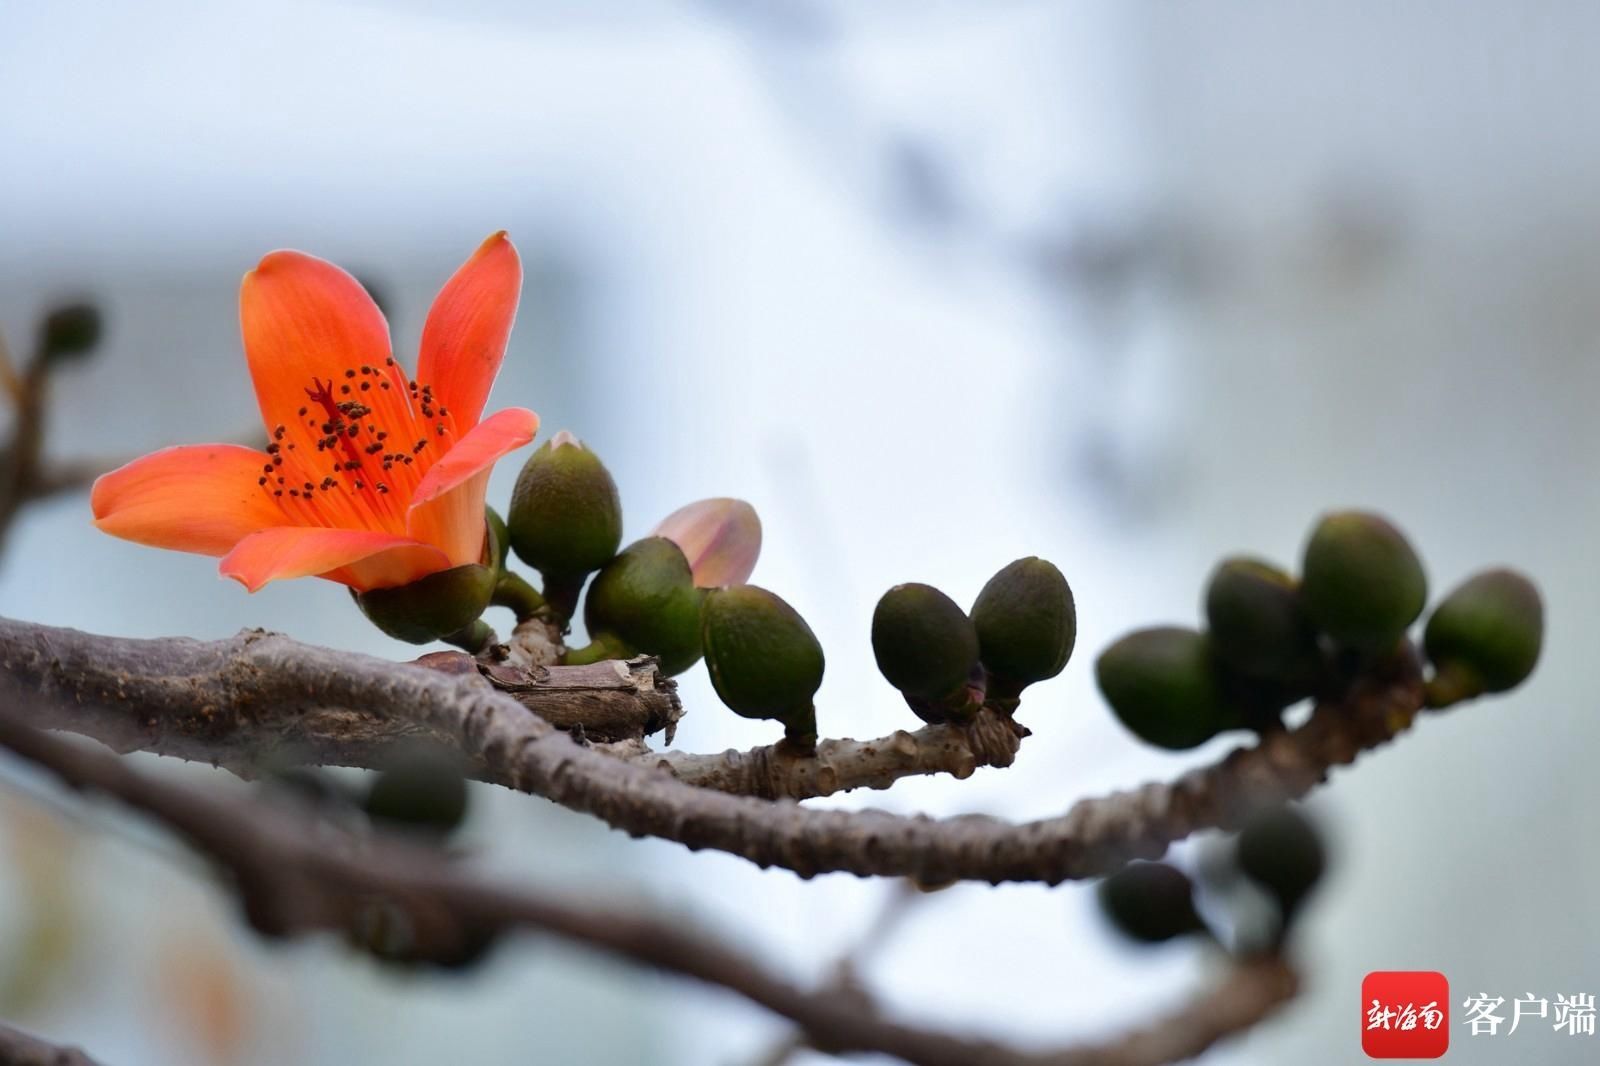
[
  {"x": 565, "y": 521},
  {"x": 677, "y": 594},
  {"x": 647, "y": 598},
  {"x": 1278, "y": 851},
  {"x": 1271, "y": 641},
  {"x": 948, "y": 663}
]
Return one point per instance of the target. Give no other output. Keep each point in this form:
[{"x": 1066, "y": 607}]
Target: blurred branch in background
[
  {"x": 66, "y": 334},
  {"x": 845, "y": 976},
  {"x": 423, "y": 906}
]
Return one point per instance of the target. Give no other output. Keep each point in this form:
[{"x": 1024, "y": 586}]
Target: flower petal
[
  {"x": 464, "y": 339},
  {"x": 200, "y": 498},
  {"x": 359, "y": 558},
  {"x": 720, "y": 537},
  {"x": 305, "y": 320},
  {"x": 447, "y": 508}
]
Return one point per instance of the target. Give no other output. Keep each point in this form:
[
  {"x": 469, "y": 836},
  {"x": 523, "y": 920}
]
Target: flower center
[{"x": 352, "y": 456}]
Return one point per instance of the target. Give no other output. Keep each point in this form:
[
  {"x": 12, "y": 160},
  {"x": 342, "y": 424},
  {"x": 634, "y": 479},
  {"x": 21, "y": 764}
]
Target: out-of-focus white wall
[{"x": 1127, "y": 286}]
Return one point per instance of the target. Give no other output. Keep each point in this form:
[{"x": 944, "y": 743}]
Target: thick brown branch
[
  {"x": 232, "y": 702},
  {"x": 293, "y": 881}
]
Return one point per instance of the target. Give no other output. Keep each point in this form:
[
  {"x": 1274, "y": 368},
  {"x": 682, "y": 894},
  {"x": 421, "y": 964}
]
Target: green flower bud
[
  {"x": 1259, "y": 627},
  {"x": 1484, "y": 637},
  {"x": 764, "y": 660},
  {"x": 1282, "y": 851},
  {"x": 422, "y": 789},
  {"x": 1026, "y": 623},
  {"x": 1150, "y": 902},
  {"x": 926, "y": 647},
  {"x": 417, "y": 934},
  {"x": 566, "y": 517},
  {"x": 1258, "y": 702},
  {"x": 69, "y": 332},
  {"x": 645, "y": 601},
  {"x": 1165, "y": 686},
  {"x": 1361, "y": 582},
  {"x": 433, "y": 607}
]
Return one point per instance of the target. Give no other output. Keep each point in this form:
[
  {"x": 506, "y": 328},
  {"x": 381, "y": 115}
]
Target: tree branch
[
  {"x": 293, "y": 881},
  {"x": 259, "y": 695},
  {"x": 608, "y": 702},
  {"x": 776, "y": 771}
]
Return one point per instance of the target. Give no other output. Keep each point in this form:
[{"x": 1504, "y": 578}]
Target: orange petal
[
  {"x": 464, "y": 339},
  {"x": 447, "y": 508},
  {"x": 200, "y": 498},
  {"x": 305, "y": 320},
  {"x": 359, "y": 558}
]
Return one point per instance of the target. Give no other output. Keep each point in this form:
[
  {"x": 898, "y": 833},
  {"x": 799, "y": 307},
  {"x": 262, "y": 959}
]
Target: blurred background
[{"x": 1127, "y": 285}]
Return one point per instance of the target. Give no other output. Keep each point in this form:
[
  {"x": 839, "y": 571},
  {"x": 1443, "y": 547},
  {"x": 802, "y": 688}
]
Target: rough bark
[
  {"x": 777, "y": 771},
  {"x": 234, "y": 702},
  {"x": 604, "y": 702}
]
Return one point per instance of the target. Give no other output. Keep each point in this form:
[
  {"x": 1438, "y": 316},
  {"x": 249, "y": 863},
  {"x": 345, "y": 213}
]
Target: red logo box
[{"x": 1405, "y": 1014}]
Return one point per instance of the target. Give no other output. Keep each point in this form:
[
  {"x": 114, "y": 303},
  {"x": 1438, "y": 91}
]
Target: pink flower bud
[{"x": 720, "y": 537}]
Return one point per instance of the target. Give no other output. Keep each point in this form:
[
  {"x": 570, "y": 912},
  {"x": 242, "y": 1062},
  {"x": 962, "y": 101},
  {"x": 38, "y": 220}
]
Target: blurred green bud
[
  {"x": 422, "y": 788},
  {"x": 420, "y": 933},
  {"x": 1258, "y": 702},
  {"x": 1026, "y": 623},
  {"x": 1484, "y": 637},
  {"x": 1150, "y": 902},
  {"x": 644, "y": 601},
  {"x": 720, "y": 537},
  {"x": 926, "y": 647},
  {"x": 499, "y": 539},
  {"x": 1164, "y": 685},
  {"x": 430, "y": 608},
  {"x": 1280, "y": 850},
  {"x": 1361, "y": 582},
  {"x": 69, "y": 332},
  {"x": 1259, "y": 628},
  {"x": 565, "y": 517},
  {"x": 764, "y": 660}
]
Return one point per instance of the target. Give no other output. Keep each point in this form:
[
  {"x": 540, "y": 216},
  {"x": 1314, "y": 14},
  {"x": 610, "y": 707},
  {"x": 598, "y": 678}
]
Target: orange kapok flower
[{"x": 371, "y": 478}]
